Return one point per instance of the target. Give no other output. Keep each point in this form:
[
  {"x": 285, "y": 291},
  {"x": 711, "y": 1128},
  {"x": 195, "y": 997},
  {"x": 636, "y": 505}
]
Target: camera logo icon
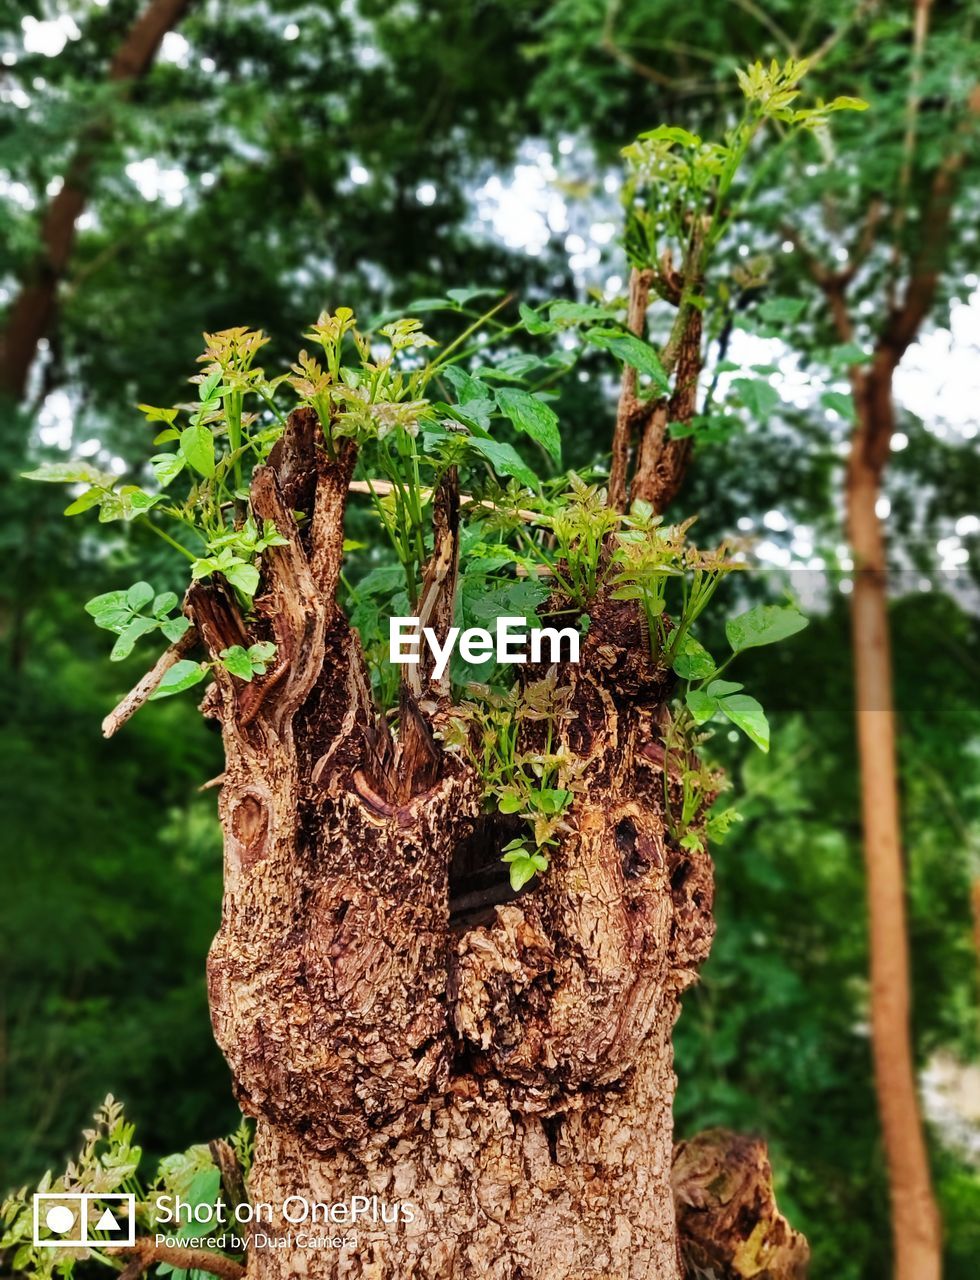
[{"x": 71, "y": 1219}]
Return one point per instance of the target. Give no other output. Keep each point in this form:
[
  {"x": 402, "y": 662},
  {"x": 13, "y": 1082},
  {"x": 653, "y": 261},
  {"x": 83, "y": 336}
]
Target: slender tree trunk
[
  {"x": 915, "y": 1218},
  {"x": 31, "y": 311}
]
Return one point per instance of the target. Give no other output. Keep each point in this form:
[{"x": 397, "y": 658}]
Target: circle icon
[{"x": 59, "y": 1218}]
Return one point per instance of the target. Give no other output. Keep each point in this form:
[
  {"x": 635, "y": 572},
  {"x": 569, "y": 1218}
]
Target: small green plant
[
  {"x": 134, "y": 613},
  {"x": 707, "y": 697},
  {"x": 480, "y": 406},
  {"x": 109, "y": 1162},
  {"x": 536, "y": 783}
]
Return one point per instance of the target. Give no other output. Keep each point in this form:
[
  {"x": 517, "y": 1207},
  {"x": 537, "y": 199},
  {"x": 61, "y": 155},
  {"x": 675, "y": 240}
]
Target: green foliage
[
  {"x": 681, "y": 188},
  {"x": 509, "y": 738},
  {"x": 103, "y": 839},
  {"x": 135, "y": 613},
  {"x": 108, "y": 1162}
]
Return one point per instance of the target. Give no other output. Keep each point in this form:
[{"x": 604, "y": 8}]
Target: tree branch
[
  {"x": 630, "y": 409},
  {"x": 145, "y": 1252},
  {"x": 31, "y": 311},
  {"x": 141, "y": 693}
]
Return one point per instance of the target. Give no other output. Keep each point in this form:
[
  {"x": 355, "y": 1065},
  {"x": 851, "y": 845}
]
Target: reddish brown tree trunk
[
  {"x": 915, "y": 1218},
  {"x": 32, "y": 309}
]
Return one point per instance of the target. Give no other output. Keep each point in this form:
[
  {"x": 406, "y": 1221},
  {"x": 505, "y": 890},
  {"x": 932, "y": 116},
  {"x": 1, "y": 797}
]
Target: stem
[
  {"x": 461, "y": 338},
  {"x": 167, "y": 538}
]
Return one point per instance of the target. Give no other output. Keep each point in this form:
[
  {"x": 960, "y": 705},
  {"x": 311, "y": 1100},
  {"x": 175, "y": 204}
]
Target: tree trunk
[
  {"x": 511, "y": 1081},
  {"x": 32, "y": 309},
  {"x": 915, "y": 1218}
]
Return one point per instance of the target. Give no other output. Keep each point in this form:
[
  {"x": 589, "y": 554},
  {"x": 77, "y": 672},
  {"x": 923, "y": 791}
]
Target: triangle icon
[{"x": 107, "y": 1222}]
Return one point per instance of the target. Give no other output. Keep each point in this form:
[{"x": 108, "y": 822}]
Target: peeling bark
[
  {"x": 512, "y": 1080},
  {"x": 729, "y": 1225}
]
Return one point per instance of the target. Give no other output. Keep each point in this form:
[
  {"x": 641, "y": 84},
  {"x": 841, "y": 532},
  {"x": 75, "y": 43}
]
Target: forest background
[{"x": 265, "y": 160}]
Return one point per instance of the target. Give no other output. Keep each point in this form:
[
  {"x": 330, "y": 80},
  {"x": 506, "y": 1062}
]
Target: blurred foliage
[{"x": 288, "y": 169}]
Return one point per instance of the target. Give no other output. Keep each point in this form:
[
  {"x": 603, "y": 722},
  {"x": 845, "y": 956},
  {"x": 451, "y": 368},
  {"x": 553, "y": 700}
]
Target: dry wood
[
  {"x": 512, "y": 1080},
  {"x": 145, "y": 1253},
  {"x": 142, "y": 692}
]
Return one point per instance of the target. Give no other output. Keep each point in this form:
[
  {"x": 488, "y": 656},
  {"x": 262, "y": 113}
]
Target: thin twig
[
  {"x": 148, "y": 685},
  {"x": 641, "y": 283},
  {"x": 913, "y": 102},
  {"x": 384, "y": 487},
  {"x": 145, "y": 1252}
]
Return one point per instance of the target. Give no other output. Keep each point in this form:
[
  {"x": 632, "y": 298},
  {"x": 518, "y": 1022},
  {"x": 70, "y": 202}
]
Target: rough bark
[
  {"x": 512, "y": 1080},
  {"x": 660, "y": 461},
  {"x": 31, "y": 311},
  {"x": 729, "y": 1225}
]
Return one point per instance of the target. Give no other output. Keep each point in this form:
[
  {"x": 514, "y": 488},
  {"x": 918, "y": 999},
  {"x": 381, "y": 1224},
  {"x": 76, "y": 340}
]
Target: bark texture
[
  {"x": 510, "y": 1079},
  {"x": 660, "y": 461},
  {"x": 729, "y": 1225}
]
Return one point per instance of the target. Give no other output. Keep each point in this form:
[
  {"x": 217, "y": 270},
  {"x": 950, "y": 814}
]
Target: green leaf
[
  {"x": 163, "y": 603},
  {"x": 197, "y": 447},
  {"x": 90, "y": 498},
  {"x": 182, "y": 675},
  {"x": 841, "y": 402},
  {"x": 138, "y": 595},
  {"x": 847, "y": 354},
  {"x": 759, "y": 397},
  {"x": 167, "y": 467},
  {"x": 475, "y": 415},
  {"x": 69, "y": 473},
  {"x": 136, "y": 501},
  {"x": 701, "y": 705},
  {"x": 464, "y": 296},
  {"x": 533, "y": 417},
  {"x": 844, "y": 103},
  {"x": 505, "y": 460},
  {"x": 509, "y": 802},
  {"x": 747, "y": 714},
  {"x": 782, "y": 310},
  {"x": 262, "y": 651},
  {"x": 467, "y": 387},
  {"x": 572, "y": 313},
  {"x": 534, "y": 322},
  {"x": 127, "y": 639},
  {"x": 721, "y": 688},
  {"x": 681, "y": 430},
  {"x": 632, "y": 351},
  {"x": 245, "y": 577},
  {"x": 522, "y": 868},
  {"x": 237, "y": 661},
  {"x": 111, "y": 508},
  {"x": 153, "y": 414},
  {"x": 174, "y": 628},
  {"x": 719, "y": 824},
  {"x": 671, "y": 133},
  {"x": 110, "y": 610},
  {"x": 207, "y": 386},
  {"x": 765, "y": 624},
  {"x": 692, "y": 661}
]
